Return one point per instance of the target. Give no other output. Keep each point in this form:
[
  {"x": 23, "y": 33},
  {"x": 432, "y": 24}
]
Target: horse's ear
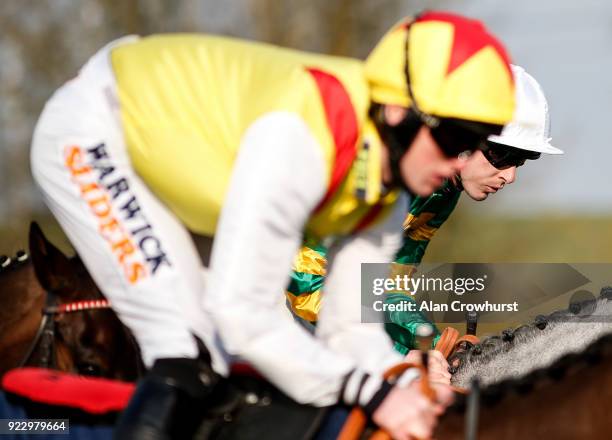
[{"x": 52, "y": 267}]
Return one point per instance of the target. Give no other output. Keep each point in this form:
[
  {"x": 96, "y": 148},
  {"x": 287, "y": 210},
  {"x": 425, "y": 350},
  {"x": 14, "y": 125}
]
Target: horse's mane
[
  {"x": 595, "y": 353},
  {"x": 515, "y": 352}
]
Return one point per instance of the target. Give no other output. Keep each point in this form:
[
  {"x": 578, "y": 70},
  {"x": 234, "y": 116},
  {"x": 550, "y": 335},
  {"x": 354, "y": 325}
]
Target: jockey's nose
[{"x": 509, "y": 175}]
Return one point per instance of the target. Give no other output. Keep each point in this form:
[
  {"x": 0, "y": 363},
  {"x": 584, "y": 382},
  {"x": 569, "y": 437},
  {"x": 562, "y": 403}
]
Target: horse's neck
[
  {"x": 21, "y": 303},
  {"x": 575, "y": 405},
  {"x": 534, "y": 349}
]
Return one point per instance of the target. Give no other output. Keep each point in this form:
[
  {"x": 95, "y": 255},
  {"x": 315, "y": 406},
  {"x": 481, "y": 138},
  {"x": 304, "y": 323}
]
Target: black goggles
[
  {"x": 453, "y": 136},
  {"x": 504, "y": 156}
]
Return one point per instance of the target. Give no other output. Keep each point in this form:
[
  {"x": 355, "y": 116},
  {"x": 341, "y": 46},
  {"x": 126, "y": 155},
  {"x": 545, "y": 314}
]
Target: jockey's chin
[
  {"x": 480, "y": 191},
  {"x": 477, "y": 194}
]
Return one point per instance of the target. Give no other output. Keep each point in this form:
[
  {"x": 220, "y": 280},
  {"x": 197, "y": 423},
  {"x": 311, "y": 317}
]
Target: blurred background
[{"x": 558, "y": 210}]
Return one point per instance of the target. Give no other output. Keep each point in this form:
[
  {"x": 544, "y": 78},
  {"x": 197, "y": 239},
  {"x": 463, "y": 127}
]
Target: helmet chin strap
[
  {"x": 396, "y": 152},
  {"x": 397, "y": 138}
]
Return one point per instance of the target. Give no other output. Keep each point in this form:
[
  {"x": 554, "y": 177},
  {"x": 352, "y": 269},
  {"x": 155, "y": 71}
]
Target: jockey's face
[
  {"x": 480, "y": 178},
  {"x": 424, "y": 167}
]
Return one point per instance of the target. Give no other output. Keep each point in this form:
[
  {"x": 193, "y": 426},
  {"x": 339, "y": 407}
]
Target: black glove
[{"x": 169, "y": 401}]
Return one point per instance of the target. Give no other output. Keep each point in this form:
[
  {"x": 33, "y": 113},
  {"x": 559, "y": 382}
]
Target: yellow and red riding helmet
[
  {"x": 451, "y": 74},
  {"x": 443, "y": 65}
]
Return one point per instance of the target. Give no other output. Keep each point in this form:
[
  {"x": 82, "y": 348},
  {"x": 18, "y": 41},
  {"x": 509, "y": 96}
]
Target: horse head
[{"x": 75, "y": 333}]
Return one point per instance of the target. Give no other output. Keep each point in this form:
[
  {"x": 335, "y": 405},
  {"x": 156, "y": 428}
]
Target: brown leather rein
[{"x": 448, "y": 343}]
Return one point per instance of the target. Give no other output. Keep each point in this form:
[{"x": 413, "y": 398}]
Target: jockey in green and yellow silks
[{"x": 426, "y": 216}]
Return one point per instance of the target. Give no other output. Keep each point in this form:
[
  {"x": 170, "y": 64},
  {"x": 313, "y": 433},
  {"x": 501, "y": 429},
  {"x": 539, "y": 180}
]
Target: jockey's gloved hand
[{"x": 170, "y": 400}]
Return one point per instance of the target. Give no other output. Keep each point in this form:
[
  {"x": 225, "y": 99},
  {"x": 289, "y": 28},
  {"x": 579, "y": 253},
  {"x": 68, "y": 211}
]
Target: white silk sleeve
[
  {"x": 340, "y": 325},
  {"x": 278, "y": 178}
]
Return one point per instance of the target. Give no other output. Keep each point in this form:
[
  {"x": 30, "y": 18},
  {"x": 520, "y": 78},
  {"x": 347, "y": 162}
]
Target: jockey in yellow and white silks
[{"x": 260, "y": 146}]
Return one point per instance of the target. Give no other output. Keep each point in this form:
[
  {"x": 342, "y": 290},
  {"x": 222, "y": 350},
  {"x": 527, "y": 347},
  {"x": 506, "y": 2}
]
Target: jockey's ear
[{"x": 52, "y": 267}]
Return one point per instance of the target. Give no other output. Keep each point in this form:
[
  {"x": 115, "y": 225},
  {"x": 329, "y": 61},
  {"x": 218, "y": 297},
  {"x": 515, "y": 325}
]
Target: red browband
[{"x": 78, "y": 306}]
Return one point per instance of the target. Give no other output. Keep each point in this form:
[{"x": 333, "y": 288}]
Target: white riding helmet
[{"x": 530, "y": 127}]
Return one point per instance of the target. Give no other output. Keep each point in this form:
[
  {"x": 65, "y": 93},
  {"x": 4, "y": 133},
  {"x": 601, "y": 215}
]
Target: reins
[{"x": 448, "y": 343}]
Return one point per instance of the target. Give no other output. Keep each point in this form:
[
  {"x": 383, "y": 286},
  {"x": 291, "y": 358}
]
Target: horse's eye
[{"x": 90, "y": 370}]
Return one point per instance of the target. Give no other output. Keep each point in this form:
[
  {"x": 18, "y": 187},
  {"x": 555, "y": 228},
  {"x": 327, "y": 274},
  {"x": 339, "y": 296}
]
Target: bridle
[{"x": 45, "y": 336}]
